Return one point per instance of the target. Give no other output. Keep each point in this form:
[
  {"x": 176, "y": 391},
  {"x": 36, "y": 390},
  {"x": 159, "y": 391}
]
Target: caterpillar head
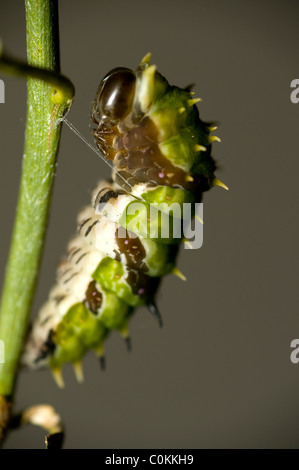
[
  {"x": 123, "y": 91},
  {"x": 115, "y": 96}
]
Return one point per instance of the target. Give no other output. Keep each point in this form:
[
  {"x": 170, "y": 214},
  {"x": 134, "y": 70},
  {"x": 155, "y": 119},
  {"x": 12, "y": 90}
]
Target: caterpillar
[{"x": 160, "y": 153}]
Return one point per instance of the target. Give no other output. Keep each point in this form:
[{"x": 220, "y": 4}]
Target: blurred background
[{"x": 218, "y": 375}]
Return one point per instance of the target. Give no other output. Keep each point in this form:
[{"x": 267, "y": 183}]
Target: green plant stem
[{"x": 46, "y": 105}]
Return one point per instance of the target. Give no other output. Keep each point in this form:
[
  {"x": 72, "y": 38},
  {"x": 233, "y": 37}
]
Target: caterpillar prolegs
[{"x": 160, "y": 151}]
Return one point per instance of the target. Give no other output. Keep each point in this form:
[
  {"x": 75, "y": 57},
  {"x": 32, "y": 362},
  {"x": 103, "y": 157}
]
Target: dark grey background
[{"x": 218, "y": 375}]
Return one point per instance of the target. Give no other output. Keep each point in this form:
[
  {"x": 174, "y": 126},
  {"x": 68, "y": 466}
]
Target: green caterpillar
[{"x": 161, "y": 156}]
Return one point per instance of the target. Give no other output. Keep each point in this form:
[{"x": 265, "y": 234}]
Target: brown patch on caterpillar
[
  {"x": 143, "y": 158},
  {"x": 104, "y": 139},
  {"x": 93, "y": 298},
  {"x": 133, "y": 250},
  {"x": 137, "y": 152},
  {"x": 141, "y": 284},
  {"x": 47, "y": 348}
]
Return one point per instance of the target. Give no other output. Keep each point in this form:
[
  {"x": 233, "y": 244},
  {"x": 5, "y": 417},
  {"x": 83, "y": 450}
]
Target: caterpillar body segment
[{"x": 129, "y": 236}]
